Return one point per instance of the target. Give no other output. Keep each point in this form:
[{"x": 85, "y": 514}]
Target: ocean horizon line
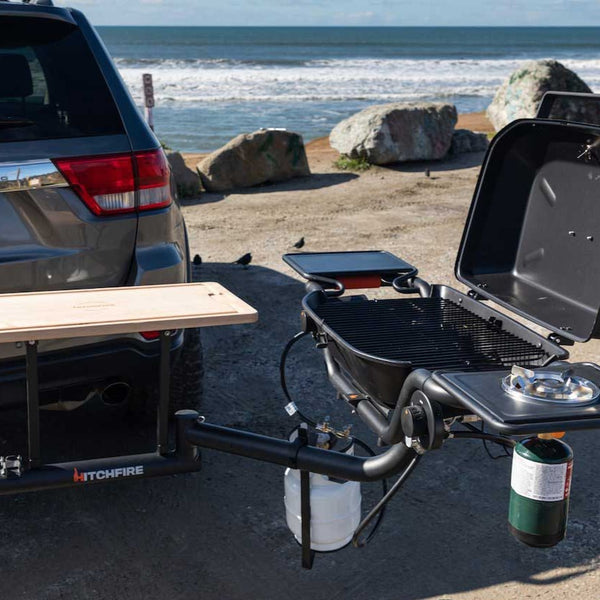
[{"x": 350, "y": 26}]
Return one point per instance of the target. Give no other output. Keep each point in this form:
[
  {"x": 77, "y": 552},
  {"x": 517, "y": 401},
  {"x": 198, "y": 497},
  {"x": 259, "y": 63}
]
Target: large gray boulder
[
  {"x": 465, "y": 140},
  {"x": 388, "y": 133},
  {"x": 519, "y": 96},
  {"x": 187, "y": 182},
  {"x": 267, "y": 155}
]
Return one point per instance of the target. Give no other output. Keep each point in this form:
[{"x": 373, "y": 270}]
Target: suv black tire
[{"x": 187, "y": 373}]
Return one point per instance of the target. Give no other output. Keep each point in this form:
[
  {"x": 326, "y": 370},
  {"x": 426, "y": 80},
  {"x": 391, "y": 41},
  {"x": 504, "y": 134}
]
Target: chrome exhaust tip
[{"x": 116, "y": 393}]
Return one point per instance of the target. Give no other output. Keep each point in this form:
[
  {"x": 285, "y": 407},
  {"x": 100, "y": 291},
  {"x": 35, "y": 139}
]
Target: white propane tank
[{"x": 335, "y": 510}]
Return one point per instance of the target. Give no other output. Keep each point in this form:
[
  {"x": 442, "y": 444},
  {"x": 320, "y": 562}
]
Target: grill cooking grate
[{"x": 432, "y": 333}]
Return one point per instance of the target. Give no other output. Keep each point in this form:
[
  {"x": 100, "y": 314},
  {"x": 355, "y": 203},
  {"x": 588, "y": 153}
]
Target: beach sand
[{"x": 458, "y": 495}]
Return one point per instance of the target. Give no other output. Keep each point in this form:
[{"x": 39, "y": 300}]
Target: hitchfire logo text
[{"x": 116, "y": 473}]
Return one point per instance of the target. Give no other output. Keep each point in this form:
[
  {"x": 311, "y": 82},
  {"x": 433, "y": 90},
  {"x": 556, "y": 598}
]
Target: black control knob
[{"x": 414, "y": 421}]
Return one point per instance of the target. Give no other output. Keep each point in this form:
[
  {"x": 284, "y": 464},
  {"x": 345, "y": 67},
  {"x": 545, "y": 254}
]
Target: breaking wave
[{"x": 332, "y": 80}]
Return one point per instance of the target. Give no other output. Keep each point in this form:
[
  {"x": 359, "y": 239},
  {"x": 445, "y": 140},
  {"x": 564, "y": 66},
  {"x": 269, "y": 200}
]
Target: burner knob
[{"x": 414, "y": 421}]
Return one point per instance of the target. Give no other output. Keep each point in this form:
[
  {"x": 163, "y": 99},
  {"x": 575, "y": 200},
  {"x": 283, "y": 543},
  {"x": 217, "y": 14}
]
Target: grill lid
[{"x": 532, "y": 238}]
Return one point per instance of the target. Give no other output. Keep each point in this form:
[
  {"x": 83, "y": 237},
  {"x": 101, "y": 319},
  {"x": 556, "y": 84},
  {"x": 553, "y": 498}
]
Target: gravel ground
[{"x": 221, "y": 533}]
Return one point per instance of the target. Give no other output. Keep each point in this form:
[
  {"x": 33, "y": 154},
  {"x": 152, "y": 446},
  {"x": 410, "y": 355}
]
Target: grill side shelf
[{"x": 481, "y": 394}]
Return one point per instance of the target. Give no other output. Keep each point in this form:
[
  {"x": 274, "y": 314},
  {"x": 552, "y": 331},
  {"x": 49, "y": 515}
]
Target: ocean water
[{"x": 212, "y": 83}]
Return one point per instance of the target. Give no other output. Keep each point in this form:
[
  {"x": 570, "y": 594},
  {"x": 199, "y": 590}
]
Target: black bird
[
  {"x": 427, "y": 173},
  {"x": 299, "y": 244},
  {"x": 244, "y": 260},
  {"x": 197, "y": 260}
]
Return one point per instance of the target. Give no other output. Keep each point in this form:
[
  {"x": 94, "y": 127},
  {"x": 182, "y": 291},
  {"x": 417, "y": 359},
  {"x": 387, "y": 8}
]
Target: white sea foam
[{"x": 194, "y": 81}]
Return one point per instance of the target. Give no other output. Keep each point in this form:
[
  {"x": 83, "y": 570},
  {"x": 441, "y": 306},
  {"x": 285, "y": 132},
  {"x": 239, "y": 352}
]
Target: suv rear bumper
[{"x": 77, "y": 371}]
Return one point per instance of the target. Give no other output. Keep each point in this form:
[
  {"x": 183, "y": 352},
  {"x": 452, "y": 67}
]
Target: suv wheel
[{"x": 187, "y": 373}]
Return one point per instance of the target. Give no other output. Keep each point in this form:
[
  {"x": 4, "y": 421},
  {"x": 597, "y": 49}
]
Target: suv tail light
[
  {"x": 108, "y": 184},
  {"x": 153, "y": 179}
]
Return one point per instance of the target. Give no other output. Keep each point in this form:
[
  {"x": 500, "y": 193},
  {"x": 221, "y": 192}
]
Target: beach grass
[{"x": 356, "y": 165}]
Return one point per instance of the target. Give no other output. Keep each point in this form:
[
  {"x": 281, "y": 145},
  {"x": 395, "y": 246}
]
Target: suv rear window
[{"x": 50, "y": 84}]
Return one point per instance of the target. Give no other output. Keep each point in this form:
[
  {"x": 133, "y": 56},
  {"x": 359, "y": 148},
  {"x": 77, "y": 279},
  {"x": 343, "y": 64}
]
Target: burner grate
[
  {"x": 550, "y": 386},
  {"x": 432, "y": 333}
]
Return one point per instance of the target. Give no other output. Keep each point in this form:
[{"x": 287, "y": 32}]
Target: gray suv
[{"x": 86, "y": 200}]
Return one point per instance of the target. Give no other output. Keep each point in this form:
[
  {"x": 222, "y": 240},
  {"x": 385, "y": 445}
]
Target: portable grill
[
  {"x": 415, "y": 366},
  {"x": 531, "y": 245}
]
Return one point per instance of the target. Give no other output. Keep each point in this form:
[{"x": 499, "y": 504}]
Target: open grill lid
[{"x": 532, "y": 238}]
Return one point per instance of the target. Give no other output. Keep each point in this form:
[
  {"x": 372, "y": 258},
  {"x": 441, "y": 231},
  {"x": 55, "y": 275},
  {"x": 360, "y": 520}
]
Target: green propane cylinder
[{"x": 539, "y": 491}]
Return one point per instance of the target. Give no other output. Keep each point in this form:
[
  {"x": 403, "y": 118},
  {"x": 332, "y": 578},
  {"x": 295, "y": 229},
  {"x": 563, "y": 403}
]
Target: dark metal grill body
[{"x": 378, "y": 342}]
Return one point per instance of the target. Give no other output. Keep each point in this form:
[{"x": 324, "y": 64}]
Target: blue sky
[{"x": 340, "y": 12}]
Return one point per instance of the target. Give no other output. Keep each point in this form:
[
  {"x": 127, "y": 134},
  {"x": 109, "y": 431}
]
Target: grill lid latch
[
  {"x": 555, "y": 338},
  {"x": 476, "y": 296}
]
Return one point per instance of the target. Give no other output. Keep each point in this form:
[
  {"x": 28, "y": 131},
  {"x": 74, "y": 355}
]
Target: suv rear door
[{"x": 57, "y": 117}]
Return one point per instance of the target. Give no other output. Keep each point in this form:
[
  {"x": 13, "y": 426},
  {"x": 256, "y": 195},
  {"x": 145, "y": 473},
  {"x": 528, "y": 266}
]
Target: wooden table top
[{"x": 106, "y": 311}]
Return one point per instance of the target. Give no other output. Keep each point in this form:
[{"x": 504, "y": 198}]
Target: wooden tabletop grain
[{"x": 106, "y": 311}]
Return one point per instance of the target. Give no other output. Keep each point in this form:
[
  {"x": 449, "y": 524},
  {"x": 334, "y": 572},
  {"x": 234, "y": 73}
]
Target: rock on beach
[
  {"x": 264, "y": 156},
  {"x": 187, "y": 182},
  {"x": 398, "y": 132},
  {"x": 519, "y": 96},
  {"x": 464, "y": 140}
]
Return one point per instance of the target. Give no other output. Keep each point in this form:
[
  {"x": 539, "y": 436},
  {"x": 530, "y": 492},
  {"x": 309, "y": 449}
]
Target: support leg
[
  {"x": 33, "y": 404},
  {"x": 307, "y": 554},
  {"x": 163, "y": 394}
]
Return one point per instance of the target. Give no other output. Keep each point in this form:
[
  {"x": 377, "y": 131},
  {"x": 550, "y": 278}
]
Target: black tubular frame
[
  {"x": 32, "y": 475},
  {"x": 298, "y": 454},
  {"x": 33, "y": 404},
  {"x": 191, "y": 433}
]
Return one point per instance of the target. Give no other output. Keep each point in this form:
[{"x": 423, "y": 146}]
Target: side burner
[
  {"x": 550, "y": 386},
  {"x": 514, "y": 413}
]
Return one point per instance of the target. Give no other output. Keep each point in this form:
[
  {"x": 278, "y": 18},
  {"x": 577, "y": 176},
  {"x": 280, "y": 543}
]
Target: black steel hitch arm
[{"x": 297, "y": 455}]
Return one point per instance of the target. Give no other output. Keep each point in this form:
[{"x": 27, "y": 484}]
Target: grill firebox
[
  {"x": 377, "y": 343},
  {"x": 432, "y": 333}
]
